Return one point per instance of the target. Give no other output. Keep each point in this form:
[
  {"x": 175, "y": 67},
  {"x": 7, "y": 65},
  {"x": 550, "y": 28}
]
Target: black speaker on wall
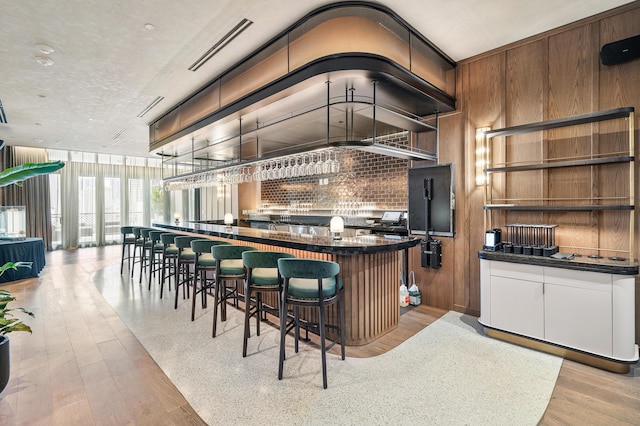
[{"x": 620, "y": 51}]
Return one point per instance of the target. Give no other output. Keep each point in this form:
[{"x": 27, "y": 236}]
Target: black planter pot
[{"x": 4, "y": 362}]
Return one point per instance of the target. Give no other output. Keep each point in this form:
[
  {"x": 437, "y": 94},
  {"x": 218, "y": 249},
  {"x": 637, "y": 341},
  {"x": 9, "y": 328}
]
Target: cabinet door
[
  {"x": 517, "y": 306},
  {"x": 578, "y": 311}
]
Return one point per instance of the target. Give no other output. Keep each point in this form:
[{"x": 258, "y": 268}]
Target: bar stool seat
[
  {"x": 310, "y": 283},
  {"x": 229, "y": 267},
  {"x": 262, "y": 276}
]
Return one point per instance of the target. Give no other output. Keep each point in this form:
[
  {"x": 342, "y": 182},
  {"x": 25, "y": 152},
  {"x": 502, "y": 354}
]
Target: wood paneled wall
[{"x": 552, "y": 75}]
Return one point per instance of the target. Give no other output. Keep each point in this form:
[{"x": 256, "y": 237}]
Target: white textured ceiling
[{"x": 108, "y": 67}]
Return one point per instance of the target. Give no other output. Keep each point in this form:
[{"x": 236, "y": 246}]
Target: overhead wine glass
[
  {"x": 246, "y": 175},
  {"x": 326, "y": 166},
  {"x": 311, "y": 167},
  {"x": 295, "y": 168},
  {"x": 303, "y": 167},
  {"x": 319, "y": 165},
  {"x": 335, "y": 163}
]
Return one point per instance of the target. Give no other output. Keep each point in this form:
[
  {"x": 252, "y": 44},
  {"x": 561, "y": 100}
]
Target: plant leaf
[
  {"x": 12, "y": 265},
  {"x": 28, "y": 170}
]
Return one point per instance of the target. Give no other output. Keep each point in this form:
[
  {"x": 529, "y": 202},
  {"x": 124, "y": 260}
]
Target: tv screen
[{"x": 436, "y": 183}]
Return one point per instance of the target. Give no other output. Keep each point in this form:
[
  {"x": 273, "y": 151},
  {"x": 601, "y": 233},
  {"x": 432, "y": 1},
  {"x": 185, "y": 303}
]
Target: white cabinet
[
  {"x": 593, "y": 312},
  {"x": 516, "y": 298},
  {"x": 578, "y": 311}
]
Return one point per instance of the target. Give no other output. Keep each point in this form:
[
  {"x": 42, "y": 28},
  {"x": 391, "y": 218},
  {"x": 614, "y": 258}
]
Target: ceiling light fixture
[
  {"x": 149, "y": 26},
  {"x": 155, "y": 102},
  {"x": 44, "y": 61},
  {"x": 228, "y": 37},
  {"x": 45, "y": 49}
]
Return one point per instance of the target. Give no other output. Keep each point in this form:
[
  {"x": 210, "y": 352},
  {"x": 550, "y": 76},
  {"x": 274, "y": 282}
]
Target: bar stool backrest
[
  {"x": 137, "y": 231},
  {"x": 183, "y": 241},
  {"x": 204, "y": 246},
  {"x": 167, "y": 238},
  {"x": 125, "y": 230},
  {"x": 155, "y": 236},
  {"x": 263, "y": 259},
  {"x": 308, "y": 268},
  {"x": 229, "y": 251}
]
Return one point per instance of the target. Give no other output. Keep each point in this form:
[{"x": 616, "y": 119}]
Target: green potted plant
[{"x": 9, "y": 323}]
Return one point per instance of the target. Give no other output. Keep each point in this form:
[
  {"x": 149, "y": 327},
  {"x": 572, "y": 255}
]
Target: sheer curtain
[
  {"x": 33, "y": 194},
  {"x": 100, "y": 193}
]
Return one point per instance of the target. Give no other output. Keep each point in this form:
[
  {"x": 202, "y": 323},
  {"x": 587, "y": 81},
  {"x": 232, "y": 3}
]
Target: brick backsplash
[{"x": 363, "y": 177}]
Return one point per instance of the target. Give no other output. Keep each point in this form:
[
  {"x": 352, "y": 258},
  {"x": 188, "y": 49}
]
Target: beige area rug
[{"x": 448, "y": 374}]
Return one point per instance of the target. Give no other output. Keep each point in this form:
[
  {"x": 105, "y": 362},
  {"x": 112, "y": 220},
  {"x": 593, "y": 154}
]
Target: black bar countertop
[
  {"x": 579, "y": 263},
  {"x": 365, "y": 244}
]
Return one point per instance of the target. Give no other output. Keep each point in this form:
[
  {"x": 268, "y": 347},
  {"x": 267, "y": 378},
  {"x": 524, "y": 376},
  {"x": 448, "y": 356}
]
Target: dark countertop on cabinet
[
  {"x": 365, "y": 244},
  {"x": 581, "y": 263}
]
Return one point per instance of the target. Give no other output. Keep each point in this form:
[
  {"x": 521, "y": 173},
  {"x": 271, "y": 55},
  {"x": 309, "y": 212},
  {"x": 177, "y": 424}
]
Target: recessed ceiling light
[
  {"x": 150, "y": 27},
  {"x": 44, "y": 61},
  {"x": 45, "y": 49}
]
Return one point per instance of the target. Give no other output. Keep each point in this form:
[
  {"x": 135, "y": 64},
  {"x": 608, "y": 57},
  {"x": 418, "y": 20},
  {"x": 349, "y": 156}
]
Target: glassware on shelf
[
  {"x": 311, "y": 167},
  {"x": 335, "y": 163},
  {"x": 319, "y": 165},
  {"x": 303, "y": 166},
  {"x": 295, "y": 168}
]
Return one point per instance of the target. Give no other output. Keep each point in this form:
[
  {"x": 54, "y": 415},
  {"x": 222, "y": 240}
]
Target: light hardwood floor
[{"x": 82, "y": 366}]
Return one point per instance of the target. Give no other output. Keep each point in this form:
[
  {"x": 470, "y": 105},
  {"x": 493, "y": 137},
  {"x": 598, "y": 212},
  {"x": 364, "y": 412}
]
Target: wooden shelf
[
  {"x": 572, "y": 163},
  {"x": 562, "y": 122},
  {"x": 583, "y": 208},
  {"x": 525, "y": 193}
]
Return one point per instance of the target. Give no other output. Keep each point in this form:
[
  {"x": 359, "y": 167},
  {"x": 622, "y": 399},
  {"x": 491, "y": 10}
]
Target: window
[
  {"x": 56, "y": 212},
  {"x": 111, "y": 210},
  {"x": 86, "y": 210},
  {"x": 136, "y": 202},
  {"x": 157, "y": 201}
]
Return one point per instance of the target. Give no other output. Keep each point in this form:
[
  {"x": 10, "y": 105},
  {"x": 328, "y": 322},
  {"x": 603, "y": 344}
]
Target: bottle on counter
[{"x": 414, "y": 292}]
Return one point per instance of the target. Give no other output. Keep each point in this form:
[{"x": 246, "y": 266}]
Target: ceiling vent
[
  {"x": 118, "y": 134},
  {"x": 228, "y": 37},
  {"x": 149, "y": 107},
  {"x": 3, "y": 116}
]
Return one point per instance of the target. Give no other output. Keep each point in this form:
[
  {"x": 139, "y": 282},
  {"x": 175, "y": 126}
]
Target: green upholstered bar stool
[
  {"x": 137, "y": 247},
  {"x": 128, "y": 241},
  {"x": 310, "y": 283},
  {"x": 186, "y": 259},
  {"x": 169, "y": 260},
  {"x": 156, "y": 248},
  {"x": 262, "y": 276},
  {"x": 203, "y": 263},
  {"x": 145, "y": 254},
  {"x": 229, "y": 268}
]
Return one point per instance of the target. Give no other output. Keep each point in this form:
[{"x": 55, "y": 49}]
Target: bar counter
[{"x": 370, "y": 267}]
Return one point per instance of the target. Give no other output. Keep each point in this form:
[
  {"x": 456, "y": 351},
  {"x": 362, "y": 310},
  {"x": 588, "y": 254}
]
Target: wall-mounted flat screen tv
[{"x": 431, "y": 200}]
